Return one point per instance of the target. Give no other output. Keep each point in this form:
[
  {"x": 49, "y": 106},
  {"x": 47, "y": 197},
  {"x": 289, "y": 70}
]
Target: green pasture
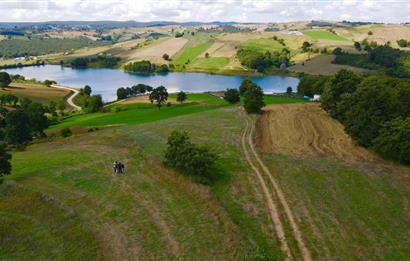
[{"x": 324, "y": 35}]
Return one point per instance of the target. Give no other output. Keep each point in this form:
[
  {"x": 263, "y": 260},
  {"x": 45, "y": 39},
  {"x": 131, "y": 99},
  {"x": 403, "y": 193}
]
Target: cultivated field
[
  {"x": 322, "y": 65},
  {"x": 154, "y": 52},
  {"x": 188, "y": 54},
  {"x": 380, "y": 33},
  {"x": 305, "y": 129},
  {"x": 35, "y": 92}
]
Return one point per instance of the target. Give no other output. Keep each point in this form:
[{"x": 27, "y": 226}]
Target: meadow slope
[{"x": 350, "y": 204}]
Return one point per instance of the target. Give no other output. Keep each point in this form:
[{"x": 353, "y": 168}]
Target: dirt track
[
  {"x": 270, "y": 190},
  {"x": 305, "y": 129}
]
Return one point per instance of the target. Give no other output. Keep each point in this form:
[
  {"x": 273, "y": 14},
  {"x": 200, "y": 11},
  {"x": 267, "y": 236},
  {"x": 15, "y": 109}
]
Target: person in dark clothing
[{"x": 122, "y": 167}]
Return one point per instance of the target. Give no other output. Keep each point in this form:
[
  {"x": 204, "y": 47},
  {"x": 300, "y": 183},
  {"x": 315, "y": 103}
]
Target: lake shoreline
[{"x": 106, "y": 81}]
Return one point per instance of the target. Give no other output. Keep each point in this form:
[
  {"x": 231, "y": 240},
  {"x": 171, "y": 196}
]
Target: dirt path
[
  {"x": 277, "y": 190},
  {"x": 70, "y": 99},
  {"x": 273, "y": 210}
]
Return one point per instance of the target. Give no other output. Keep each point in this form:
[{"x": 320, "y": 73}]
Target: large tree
[
  {"x": 188, "y": 158},
  {"x": 122, "y": 93},
  {"x": 159, "y": 95},
  {"x": 18, "y": 129},
  {"x": 232, "y": 96},
  {"x": 181, "y": 96},
  {"x": 94, "y": 103},
  {"x": 253, "y": 99},
  {"x": 38, "y": 121},
  {"x": 343, "y": 82},
  {"x": 87, "y": 90},
  {"x": 5, "y": 79},
  {"x": 245, "y": 85}
]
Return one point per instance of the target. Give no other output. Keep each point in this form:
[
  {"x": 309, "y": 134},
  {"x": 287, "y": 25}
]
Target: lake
[{"x": 106, "y": 81}]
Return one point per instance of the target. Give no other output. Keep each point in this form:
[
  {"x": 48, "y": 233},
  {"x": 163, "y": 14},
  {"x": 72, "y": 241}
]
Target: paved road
[{"x": 70, "y": 99}]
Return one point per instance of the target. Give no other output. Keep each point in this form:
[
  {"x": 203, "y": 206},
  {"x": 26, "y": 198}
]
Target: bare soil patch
[{"x": 305, "y": 129}]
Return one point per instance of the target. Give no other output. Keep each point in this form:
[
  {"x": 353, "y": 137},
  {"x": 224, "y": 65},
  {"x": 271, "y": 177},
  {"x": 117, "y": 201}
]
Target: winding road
[
  {"x": 70, "y": 99},
  {"x": 272, "y": 190}
]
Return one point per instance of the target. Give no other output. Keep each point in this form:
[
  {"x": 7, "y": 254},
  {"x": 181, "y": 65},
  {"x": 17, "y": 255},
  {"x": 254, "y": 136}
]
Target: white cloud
[{"x": 205, "y": 10}]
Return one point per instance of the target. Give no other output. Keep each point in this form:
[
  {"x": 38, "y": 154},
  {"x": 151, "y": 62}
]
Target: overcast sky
[{"x": 205, "y": 10}]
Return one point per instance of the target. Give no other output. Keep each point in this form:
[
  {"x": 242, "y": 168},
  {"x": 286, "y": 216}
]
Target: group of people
[{"x": 118, "y": 167}]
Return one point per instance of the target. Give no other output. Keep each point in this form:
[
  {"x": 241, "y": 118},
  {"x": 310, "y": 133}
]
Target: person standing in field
[
  {"x": 115, "y": 166},
  {"x": 122, "y": 167}
]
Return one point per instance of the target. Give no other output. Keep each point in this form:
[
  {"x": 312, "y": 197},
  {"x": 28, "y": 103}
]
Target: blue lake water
[{"x": 107, "y": 81}]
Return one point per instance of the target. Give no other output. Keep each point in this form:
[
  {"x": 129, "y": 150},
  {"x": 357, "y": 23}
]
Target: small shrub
[{"x": 66, "y": 132}]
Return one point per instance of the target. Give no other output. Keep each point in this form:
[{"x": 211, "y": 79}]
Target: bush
[
  {"x": 403, "y": 43},
  {"x": 337, "y": 51},
  {"x": 188, "y": 158},
  {"x": 66, "y": 132}
]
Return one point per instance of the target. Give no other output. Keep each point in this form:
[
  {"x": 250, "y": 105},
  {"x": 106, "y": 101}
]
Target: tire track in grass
[
  {"x": 273, "y": 210},
  {"x": 281, "y": 196}
]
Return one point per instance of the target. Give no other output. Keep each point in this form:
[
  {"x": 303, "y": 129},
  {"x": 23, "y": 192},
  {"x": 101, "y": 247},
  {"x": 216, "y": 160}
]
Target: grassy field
[
  {"x": 203, "y": 98},
  {"x": 134, "y": 113},
  {"x": 344, "y": 209},
  {"x": 35, "y": 92},
  {"x": 139, "y": 111},
  {"x": 324, "y": 35},
  {"x": 262, "y": 45},
  {"x": 150, "y": 212},
  {"x": 188, "y": 54},
  {"x": 211, "y": 63},
  {"x": 348, "y": 202}
]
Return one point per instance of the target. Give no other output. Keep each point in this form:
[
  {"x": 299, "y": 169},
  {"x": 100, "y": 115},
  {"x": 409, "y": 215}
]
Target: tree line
[
  {"x": 263, "y": 61},
  {"x": 251, "y": 93},
  {"x": 94, "y": 61},
  {"x": 139, "y": 89},
  {"x": 403, "y": 43},
  {"x": 393, "y": 61},
  {"x": 145, "y": 67},
  {"x": 374, "y": 109}
]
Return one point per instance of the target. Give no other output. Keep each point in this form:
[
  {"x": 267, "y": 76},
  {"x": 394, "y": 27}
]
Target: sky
[{"x": 387, "y": 11}]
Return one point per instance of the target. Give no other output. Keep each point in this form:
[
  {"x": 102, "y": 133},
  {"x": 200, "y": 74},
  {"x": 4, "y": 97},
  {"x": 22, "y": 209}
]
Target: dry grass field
[
  {"x": 36, "y": 92},
  {"x": 381, "y": 33},
  {"x": 154, "y": 52},
  {"x": 305, "y": 129}
]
